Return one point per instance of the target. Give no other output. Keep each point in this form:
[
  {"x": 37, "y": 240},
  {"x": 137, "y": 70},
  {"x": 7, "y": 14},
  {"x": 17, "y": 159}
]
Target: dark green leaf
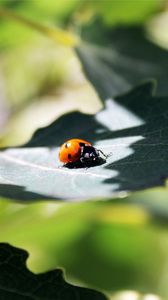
[
  {"x": 17, "y": 282},
  {"x": 134, "y": 129},
  {"x": 115, "y": 60}
]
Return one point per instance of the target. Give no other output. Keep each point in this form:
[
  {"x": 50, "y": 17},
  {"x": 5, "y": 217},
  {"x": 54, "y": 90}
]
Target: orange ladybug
[{"x": 78, "y": 150}]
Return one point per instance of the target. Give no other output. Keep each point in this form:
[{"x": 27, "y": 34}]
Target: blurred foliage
[
  {"x": 34, "y": 74},
  {"x": 106, "y": 245},
  {"x": 117, "y": 12},
  {"x": 44, "y": 73},
  {"x": 41, "y": 67},
  {"x": 72, "y": 12},
  {"x": 12, "y": 34}
]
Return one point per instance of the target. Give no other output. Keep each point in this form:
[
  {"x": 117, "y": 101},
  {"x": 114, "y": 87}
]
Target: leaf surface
[{"x": 133, "y": 129}]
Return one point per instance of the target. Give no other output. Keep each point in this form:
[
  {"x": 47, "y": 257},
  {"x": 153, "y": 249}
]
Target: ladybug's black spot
[
  {"x": 66, "y": 145},
  {"x": 82, "y": 144},
  {"x": 69, "y": 156}
]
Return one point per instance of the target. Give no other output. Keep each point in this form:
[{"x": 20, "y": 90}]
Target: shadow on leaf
[{"x": 17, "y": 192}]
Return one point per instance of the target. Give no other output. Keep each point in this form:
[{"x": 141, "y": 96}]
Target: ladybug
[{"x": 79, "y": 151}]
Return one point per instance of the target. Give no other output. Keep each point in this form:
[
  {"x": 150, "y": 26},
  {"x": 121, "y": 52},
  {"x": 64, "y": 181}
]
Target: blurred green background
[{"x": 111, "y": 246}]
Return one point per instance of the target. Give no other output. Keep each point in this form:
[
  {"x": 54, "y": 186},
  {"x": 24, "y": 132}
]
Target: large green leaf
[
  {"x": 17, "y": 282},
  {"x": 114, "y": 60},
  {"x": 134, "y": 129}
]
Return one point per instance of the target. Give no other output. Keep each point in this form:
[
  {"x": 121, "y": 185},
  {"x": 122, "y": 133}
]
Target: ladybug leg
[
  {"x": 105, "y": 155},
  {"x": 109, "y": 154},
  {"x": 100, "y": 151}
]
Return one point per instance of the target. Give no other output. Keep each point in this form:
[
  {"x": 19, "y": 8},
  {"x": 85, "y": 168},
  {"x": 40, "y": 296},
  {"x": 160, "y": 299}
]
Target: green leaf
[
  {"x": 17, "y": 282},
  {"x": 114, "y": 60},
  {"x": 133, "y": 129},
  {"x": 109, "y": 246}
]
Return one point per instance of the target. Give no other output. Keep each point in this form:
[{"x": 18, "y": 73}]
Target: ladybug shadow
[{"x": 79, "y": 165}]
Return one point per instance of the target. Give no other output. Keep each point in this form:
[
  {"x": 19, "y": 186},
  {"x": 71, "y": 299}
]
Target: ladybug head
[{"x": 89, "y": 153}]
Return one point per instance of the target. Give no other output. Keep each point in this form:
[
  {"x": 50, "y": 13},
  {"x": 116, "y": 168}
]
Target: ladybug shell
[{"x": 70, "y": 151}]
